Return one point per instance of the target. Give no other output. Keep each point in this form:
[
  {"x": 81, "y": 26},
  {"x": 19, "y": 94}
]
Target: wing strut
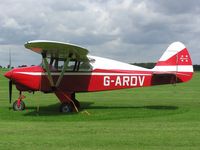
[
  {"x": 46, "y": 66},
  {"x": 62, "y": 73}
]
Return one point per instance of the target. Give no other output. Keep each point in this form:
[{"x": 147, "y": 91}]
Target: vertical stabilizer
[{"x": 175, "y": 60}]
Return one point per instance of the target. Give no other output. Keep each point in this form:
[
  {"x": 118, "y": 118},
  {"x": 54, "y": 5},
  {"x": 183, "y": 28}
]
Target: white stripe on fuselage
[
  {"x": 180, "y": 68},
  {"x": 82, "y": 73}
]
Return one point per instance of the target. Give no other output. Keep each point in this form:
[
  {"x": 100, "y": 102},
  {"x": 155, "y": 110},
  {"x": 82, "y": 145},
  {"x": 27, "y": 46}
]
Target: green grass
[{"x": 160, "y": 117}]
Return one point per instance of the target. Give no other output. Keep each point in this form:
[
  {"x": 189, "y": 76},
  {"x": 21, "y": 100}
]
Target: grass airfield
[{"x": 160, "y": 117}]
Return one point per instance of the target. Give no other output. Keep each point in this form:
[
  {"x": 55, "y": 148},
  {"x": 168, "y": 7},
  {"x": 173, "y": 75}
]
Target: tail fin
[{"x": 176, "y": 61}]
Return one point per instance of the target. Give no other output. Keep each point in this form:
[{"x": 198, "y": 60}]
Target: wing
[{"x": 59, "y": 50}]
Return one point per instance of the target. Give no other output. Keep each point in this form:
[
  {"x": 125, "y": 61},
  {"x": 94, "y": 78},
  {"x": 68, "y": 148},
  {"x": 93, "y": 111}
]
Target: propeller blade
[{"x": 10, "y": 91}]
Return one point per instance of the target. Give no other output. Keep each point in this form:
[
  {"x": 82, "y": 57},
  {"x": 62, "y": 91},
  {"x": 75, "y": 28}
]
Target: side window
[
  {"x": 70, "y": 66},
  {"x": 56, "y": 65},
  {"x": 60, "y": 65},
  {"x": 85, "y": 66}
]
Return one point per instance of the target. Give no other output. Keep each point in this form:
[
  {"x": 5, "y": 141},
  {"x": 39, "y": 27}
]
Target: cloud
[
  {"x": 170, "y": 7},
  {"x": 127, "y": 30}
]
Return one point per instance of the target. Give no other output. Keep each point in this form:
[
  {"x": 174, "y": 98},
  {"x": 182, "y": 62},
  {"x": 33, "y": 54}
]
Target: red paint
[{"x": 182, "y": 58}]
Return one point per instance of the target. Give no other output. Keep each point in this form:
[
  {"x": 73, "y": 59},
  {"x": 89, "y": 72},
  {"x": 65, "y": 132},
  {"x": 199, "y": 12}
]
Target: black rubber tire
[
  {"x": 66, "y": 108},
  {"x": 20, "y": 108},
  {"x": 77, "y": 103}
]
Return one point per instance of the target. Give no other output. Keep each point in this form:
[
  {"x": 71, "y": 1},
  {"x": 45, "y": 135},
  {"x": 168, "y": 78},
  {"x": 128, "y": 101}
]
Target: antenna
[{"x": 10, "y": 58}]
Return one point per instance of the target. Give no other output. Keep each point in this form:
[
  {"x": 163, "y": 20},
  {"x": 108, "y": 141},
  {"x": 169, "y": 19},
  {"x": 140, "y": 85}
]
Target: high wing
[{"x": 58, "y": 50}]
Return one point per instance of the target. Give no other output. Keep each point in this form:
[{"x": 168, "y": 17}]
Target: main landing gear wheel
[
  {"x": 18, "y": 106},
  {"x": 66, "y": 108}
]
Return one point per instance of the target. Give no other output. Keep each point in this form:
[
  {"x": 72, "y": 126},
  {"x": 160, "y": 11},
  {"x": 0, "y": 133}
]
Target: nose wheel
[{"x": 18, "y": 105}]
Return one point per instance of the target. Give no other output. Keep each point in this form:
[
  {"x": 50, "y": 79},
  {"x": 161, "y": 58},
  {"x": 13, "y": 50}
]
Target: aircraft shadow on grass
[
  {"x": 52, "y": 110},
  {"x": 157, "y": 107}
]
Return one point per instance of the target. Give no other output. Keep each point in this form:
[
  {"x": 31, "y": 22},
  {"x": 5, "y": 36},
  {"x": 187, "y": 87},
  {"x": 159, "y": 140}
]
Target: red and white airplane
[{"x": 67, "y": 69}]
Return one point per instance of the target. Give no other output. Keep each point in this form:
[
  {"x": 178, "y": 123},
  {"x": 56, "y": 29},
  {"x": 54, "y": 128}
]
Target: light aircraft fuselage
[{"x": 76, "y": 71}]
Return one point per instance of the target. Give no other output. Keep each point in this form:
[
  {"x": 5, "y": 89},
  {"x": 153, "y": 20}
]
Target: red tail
[{"x": 177, "y": 61}]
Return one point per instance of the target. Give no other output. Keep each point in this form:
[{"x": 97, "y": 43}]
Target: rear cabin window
[{"x": 85, "y": 66}]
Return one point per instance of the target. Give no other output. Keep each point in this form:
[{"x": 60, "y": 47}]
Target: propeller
[{"x": 10, "y": 91}]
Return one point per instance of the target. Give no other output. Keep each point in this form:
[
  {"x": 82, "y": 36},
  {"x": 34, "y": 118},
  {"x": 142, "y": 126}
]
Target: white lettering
[
  {"x": 141, "y": 80},
  {"x": 118, "y": 81},
  {"x": 133, "y": 80},
  {"x": 106, "y": 81},
  {"x": 126, "y": 80}
]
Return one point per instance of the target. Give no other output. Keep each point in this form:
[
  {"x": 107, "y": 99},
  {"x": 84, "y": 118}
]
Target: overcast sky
[{"x": 125, "y": 30}]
